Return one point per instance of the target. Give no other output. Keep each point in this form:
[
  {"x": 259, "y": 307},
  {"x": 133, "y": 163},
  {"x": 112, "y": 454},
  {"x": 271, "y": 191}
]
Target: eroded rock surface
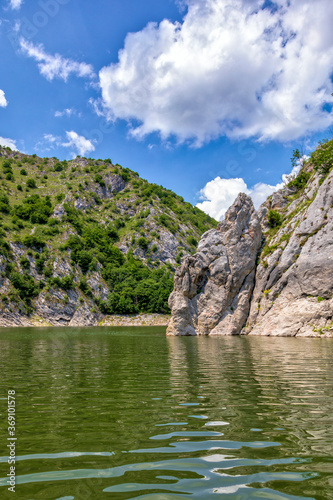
[
  {"x": 213, "y": 288},
  {"x": 294, "y": 283},
  {"x": 290, "y": 290}
]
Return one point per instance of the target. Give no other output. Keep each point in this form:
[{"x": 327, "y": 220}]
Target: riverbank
[
  {"x": 136, "y": 320},
  {"x": 10, "y": 319}
]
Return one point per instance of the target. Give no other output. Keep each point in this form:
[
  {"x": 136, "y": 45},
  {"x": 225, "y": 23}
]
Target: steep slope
[
  {"x": 85, "y": 238},
  {"x": 294, "y": 279},
  {"x": 213, "y": 288},
  {"x": 293, "y": 282}
]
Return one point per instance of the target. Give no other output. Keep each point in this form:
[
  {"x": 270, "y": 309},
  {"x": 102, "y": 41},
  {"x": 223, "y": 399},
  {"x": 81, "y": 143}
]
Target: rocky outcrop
[
  {"x": 288, "y": 293},
  {"x": 213, "y": 288},
  {"x": 294, "y": 282}
]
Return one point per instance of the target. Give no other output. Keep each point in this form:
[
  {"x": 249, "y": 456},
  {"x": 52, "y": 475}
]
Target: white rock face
[
  {"x": 294, "y": 286},
  {"x": 290, "y": 291},
  {"x": 213, "y": 288}
]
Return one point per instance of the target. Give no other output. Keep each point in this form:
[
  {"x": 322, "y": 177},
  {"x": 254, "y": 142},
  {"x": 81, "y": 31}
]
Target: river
[{"x": 124, "y": 413}]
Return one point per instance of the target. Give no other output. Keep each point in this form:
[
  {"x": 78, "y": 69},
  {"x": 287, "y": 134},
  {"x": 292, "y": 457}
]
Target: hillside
[
  {"x": 86, "y": 238},
  {"x": 265, "y": 273}
]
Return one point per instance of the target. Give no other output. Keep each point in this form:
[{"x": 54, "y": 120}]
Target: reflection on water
[{"x": 128, "y": 413}]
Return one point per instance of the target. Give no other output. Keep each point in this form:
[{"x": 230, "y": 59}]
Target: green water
[{"x": 122, "y": 413}]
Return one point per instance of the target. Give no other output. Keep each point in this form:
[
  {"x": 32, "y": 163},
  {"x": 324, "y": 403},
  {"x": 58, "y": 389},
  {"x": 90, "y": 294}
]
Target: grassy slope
[{"x": 142, "y": 219}]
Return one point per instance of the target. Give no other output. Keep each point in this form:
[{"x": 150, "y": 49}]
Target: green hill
[{"x": 87, "y": 234}]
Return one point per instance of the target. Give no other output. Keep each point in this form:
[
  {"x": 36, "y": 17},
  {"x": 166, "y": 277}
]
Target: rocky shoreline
[{"x": 15, "y": 320}]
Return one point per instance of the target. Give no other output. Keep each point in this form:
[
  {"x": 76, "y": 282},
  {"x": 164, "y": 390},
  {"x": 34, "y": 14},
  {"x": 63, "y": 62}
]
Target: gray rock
[
  {"x": 294, "y": 286},
  {"x": 213, "y": 288}
]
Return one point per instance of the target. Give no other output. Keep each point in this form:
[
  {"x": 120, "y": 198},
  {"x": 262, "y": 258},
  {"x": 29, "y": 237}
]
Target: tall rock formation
[
  {"x": 290, "y": 290},
  {"x": 213, "y": 288},
  {"x": 294, "y": 279}
]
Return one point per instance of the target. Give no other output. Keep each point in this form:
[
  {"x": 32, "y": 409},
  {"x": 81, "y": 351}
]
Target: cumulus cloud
[
  {"x": 219, "y": 194},
  {"x": 79, "y": 143},
  {"x": 55, "y": 66},
  {"x": 15, "y": 4},
  {"x": 236, "y": 68},
  {"x": 3, "y": 100},
  {"x": 10, "y": 143}
]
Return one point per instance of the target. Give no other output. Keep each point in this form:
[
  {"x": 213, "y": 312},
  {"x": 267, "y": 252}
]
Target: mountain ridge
[{"x": 84, "y": 239}]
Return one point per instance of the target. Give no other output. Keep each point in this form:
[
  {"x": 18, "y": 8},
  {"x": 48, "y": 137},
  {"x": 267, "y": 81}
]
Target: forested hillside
[{"x": 87, "y": 234}]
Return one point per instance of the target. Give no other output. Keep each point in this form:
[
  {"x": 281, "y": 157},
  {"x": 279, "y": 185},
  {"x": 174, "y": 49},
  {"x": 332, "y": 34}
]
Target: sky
[{"x": 205, "y": 97}]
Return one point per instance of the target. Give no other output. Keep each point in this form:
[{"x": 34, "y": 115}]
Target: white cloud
[
  {"x": 15, "y": 4},
  {"x": 3, "y": 100},
  {"x": 8, "y": 143},
  {"x": 79, "y": 143},
  {"x": 48, "y": 143},
  {"x": 230, "y": 68},
  {"x": 219, "y": 194},
  {"x": 55, "y": 66},
  {"x": 52, "y": 139},
  {"x": 65, "y": 112}
]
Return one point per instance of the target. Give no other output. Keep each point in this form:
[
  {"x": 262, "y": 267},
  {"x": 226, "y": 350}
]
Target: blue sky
[{"x": 206, "y": 97}]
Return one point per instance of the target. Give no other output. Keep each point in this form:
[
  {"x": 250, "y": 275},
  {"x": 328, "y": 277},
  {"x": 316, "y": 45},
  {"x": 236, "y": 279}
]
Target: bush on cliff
[{"x": 274, "y": 218}]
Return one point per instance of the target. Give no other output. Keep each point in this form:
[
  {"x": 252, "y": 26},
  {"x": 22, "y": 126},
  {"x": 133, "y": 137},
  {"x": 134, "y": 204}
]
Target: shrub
[
  {"x": 192, "y": 241},
  {"x": 168, "y": 223},
  {"x": 33, "y": 241},
  {"x": 40, "y": 262},
  {"x": 66, "y": 283},
  {"x": 124, "y": 176},
  {"x": 27, "y": 287},
  {"x": 25, "y": 263},
  {"x": 4, "y": 204},
  {"x": 6, "y": 164},
  {"x": 322, "y": 158},
  {"x": 142, "y": 242},
  {"x": 23, "y": 171},
  {"x": 300, "y": 181},
  {"x": 35, "y": 209},
  {"x": 99, "y": 180},
  {"x": 84, "y": 287},
  {"x": 60, "y": 197},
  {"x": 84, "y": 258},
  {"x": 274, "y": 218},
  {"x": 179, "y": 257},
  {"x": 31, "y": 183}
]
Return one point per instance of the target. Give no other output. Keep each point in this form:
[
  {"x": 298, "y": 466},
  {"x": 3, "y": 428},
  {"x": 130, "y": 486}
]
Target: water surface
[{"x": 123, "y": 413}]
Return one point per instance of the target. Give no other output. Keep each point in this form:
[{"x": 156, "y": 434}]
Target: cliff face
[
  {"x": 294, "y": 283},
  {"x": 289, "y": 292},
  {"x": 213, "y": 288}
]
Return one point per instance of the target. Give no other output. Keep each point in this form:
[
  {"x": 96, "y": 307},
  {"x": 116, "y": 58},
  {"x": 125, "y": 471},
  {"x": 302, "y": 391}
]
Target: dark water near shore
[{"x": 123, "y": 413}]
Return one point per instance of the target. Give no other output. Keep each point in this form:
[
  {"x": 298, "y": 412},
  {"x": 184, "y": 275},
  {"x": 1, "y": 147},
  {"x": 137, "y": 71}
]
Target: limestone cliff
[
  {"x": 213, "y": 288},
  {"x": 294, "y": 278},
  {"x": 289, "y": 292}
]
